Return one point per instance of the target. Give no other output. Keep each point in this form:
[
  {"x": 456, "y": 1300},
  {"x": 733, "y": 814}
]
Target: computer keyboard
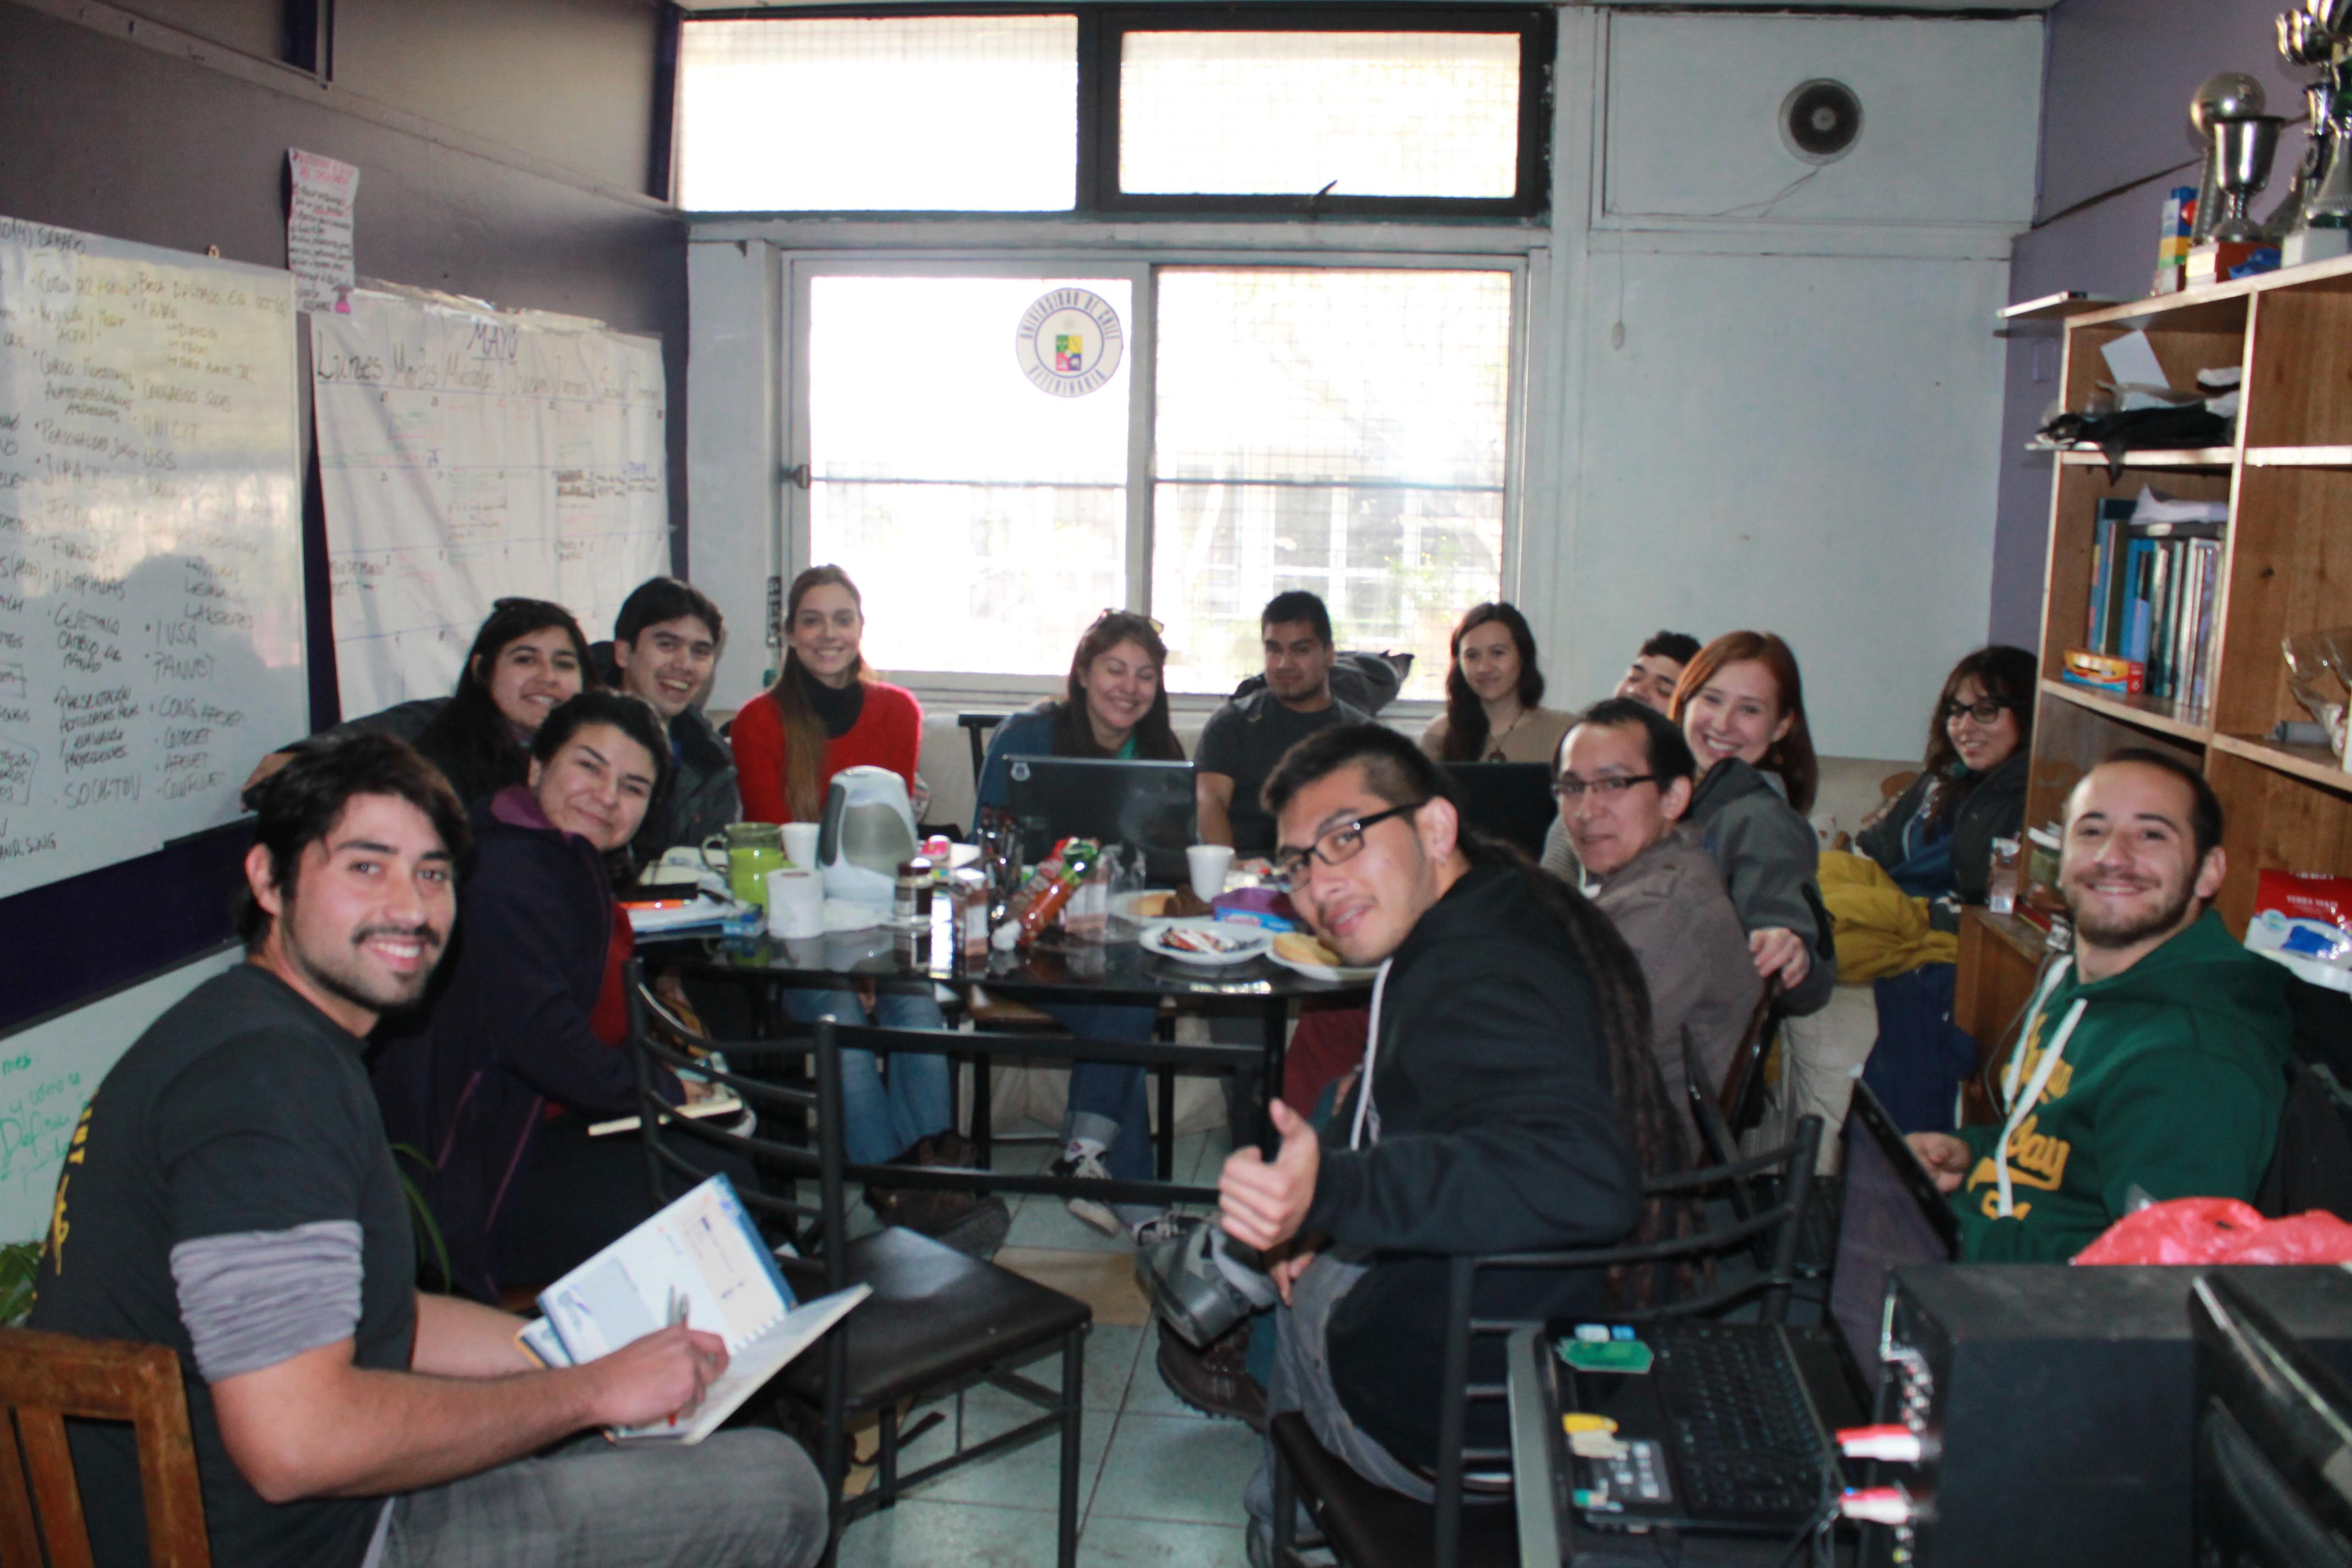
[{"x": 1742, "y": 1433}]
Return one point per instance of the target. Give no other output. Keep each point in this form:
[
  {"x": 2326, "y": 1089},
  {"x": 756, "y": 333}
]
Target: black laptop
[
  {"x": 1146, "y": 803},
  {"x": 1510, "y": 801},
  {"x": 1892, "y": 1215}
]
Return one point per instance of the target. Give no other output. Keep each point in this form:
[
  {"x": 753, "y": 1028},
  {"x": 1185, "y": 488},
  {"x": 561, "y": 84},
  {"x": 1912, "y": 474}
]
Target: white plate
[
  {"x": 1245, "y": 942},
  {"x": 1341, "y": 973}
]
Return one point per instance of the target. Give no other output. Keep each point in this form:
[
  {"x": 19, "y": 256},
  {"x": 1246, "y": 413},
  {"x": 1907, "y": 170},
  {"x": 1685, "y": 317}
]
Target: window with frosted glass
[
  {"x": 861, "y": 114},
  {"x": 1342, "y": 431},
  {"x": 1377, "y": 114},
  {"x": 983, "y": 520}
]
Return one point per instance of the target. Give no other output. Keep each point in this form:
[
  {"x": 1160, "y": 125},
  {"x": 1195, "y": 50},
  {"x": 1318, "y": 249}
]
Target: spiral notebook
[{"x": 700, "y": 1256}]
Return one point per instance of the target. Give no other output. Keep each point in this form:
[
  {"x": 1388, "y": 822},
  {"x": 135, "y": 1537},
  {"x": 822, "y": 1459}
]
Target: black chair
[
  {"x": 1372, "y": 1527},
  {"x": 937, "y": 1322},
  {"x": 977, "y": 728}
]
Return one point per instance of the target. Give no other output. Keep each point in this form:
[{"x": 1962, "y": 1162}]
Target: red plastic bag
[{"x": 2220, "y": 1230}]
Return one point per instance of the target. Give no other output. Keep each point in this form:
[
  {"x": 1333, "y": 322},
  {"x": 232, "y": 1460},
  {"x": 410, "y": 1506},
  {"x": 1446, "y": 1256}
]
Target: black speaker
[
  {"x": 1821, "y": 120},
  {"x": 2056, "y": 1407}
]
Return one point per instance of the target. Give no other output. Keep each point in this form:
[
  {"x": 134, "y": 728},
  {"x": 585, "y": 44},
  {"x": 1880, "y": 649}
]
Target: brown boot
[{"x": 1216, "y": 1381}]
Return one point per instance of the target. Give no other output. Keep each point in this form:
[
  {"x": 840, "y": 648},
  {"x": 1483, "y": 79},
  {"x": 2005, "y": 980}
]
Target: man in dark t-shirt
[
  {"x": 229, "y": 1192},
  {"x": 1244, "y": 738}
]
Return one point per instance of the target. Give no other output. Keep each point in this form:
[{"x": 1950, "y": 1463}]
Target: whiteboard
[
  {"x": 471, "y": 455},
  {"x": 49, "y": 1072},
  {"x": 151, "y": 547}
]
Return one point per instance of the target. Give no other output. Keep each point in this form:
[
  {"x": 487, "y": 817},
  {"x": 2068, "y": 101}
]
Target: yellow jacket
[{"x": 1881, "y": 931}]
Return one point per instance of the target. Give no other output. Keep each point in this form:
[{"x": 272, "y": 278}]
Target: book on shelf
[{"x": 2155, "y": 561}]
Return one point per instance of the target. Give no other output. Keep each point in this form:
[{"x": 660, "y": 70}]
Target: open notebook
[{"x": 700, "y": 1256}]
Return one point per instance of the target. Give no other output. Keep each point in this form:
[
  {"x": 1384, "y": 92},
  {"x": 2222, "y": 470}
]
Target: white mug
[{"x": 800, "y": 844}]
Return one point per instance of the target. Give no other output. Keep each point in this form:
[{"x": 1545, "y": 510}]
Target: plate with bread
[{"x": 1304, "y": 951}]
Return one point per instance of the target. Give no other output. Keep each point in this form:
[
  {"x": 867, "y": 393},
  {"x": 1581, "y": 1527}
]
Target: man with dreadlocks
[{"x": 1507, "y": 1103}]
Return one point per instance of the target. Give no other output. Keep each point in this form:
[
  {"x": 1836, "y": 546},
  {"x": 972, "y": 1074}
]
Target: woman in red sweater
[{"x": 825, "y": 712}]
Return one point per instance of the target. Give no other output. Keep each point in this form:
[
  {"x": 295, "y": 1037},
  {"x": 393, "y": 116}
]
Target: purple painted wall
[{"x": 2114, "y": 112}]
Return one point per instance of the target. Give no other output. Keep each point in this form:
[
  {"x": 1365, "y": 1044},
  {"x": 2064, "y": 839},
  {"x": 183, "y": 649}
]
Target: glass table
[{"x": 1058, "y": 969}]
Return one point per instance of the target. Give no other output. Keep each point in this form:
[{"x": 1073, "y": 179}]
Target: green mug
[{"x": 744, "y": 854}]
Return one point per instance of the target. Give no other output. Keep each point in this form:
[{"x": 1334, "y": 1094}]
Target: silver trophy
[
  {"x": 2316, "y": 220},
  {"x": 2242, "y": 152},
  {"x": 2228, "y": 95}
]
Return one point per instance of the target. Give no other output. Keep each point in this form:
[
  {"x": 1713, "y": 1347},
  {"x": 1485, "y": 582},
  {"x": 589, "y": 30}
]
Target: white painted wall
[
  {"x": 47, "y": 1074},
  {"x": 1798, "y": 429},
  {"x": 732, "y": 452}
]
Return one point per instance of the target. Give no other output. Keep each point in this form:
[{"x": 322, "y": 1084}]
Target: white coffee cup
[
  {"x": 800, "y": 844},
  {"x": 1209, "y": 864},
  {"x": 796, "y": 902}
]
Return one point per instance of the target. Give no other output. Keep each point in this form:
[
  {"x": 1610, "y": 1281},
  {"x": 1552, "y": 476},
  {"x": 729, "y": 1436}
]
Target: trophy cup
[
  {"x": 2228, "y": 95},
  {"x": 2242, "y": 152},
  {"x": 2318, "y": 214}
]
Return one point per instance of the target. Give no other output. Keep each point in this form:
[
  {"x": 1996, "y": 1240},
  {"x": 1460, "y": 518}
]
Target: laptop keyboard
[{"x": 1739, "y": 1424}]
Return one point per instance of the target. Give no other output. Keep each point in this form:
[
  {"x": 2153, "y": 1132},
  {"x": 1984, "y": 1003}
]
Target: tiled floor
[{"x": 1160, "y": 1484}]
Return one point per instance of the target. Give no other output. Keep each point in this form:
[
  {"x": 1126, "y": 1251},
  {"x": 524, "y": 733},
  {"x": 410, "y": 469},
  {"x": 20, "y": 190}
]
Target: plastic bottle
[{"x": 1069, "y": 865}]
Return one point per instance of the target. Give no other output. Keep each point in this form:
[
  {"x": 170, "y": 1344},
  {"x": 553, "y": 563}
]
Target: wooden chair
[{"x": 45, "y": 1378}]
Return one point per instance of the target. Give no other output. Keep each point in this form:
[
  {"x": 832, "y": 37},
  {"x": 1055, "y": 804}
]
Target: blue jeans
[
  {"x": 1108, "y": 1102},
  {"x": 883, "y": 1121}
]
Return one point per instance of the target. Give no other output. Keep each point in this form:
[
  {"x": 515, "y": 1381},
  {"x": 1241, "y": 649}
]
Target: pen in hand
[{"x": 677, "y": 1321}]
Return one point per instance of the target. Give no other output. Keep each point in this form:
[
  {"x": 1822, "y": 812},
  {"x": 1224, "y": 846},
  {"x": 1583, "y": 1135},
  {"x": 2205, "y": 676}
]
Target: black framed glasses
[
  {"x": 1570, "y": 788},
  {"x": 1984, "y": 711},
  {"x": 1335, "y": 848}
]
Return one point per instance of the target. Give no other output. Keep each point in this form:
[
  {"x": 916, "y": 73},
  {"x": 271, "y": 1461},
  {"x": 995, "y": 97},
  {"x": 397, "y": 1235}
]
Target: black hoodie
[{"x": 1498, "y": 1133}]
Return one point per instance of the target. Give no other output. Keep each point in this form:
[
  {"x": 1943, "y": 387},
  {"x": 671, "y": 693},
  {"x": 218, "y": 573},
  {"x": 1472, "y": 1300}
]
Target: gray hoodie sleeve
[{"x": 1770, "y": 863}]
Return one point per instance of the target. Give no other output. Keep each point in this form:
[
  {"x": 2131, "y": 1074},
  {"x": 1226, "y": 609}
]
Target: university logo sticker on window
[{"x": 1069, "y": 342}]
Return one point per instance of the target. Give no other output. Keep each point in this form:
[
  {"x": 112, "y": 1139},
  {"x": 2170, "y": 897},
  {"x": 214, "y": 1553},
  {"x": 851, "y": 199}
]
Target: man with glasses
[
  {"x": 1483, "y": 1119},
  {"x": 1624, "y": 781}
]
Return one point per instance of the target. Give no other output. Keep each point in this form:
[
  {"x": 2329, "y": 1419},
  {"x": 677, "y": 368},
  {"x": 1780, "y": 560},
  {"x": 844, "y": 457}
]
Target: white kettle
[{"x": 869, "y": 831}]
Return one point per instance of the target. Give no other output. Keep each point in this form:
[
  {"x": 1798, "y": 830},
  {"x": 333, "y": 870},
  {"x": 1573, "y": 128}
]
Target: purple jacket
[{"x": 505, "y": 1027}]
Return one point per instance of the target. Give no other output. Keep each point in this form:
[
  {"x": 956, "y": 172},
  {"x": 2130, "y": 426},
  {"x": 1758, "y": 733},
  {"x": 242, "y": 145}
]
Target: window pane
[
  {"x": 1383, "y": 114},
  {"x": 945, "y": 113},
  {"x": 983, "y": 518},
  {"x": 1342, "y": 432}
]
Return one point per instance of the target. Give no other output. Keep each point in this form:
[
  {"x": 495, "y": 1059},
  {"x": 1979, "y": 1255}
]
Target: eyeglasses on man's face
[
  {"x": 1567, "y": 786},
  {"x": 1335, "y": 847},
  {"x": 1984, "y": 711}
]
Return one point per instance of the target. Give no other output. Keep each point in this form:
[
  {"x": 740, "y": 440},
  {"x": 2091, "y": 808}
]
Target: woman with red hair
[{"x": 1741, "y": 704}]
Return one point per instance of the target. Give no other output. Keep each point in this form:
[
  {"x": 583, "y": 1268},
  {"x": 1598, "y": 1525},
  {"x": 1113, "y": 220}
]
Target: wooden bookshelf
[
  {"x": 2285, "y": 569},
  {"x": 2217, "y": 458}
]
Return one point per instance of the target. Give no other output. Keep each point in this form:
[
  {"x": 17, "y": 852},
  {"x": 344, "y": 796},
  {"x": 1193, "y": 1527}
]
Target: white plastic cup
[
  {"x": 796, "y": 902},
  {"x": 800, "y": 844},
  {"x": 1209, "y": 863}
]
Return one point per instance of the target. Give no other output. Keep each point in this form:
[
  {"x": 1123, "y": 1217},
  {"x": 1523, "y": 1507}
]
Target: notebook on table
[{"x": 701, "y": 1257}]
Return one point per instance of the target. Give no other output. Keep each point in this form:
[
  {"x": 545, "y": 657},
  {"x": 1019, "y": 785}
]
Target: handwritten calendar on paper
[{"x": 469, "y": 455}]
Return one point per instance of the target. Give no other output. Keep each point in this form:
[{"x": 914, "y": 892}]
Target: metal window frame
[
  {"x": 1102, "y": 30},
  {"x": 1142, "y": 268}
]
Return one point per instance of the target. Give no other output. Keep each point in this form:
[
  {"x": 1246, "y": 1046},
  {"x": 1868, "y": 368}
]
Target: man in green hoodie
[{"x": 2155, "y": 1062}]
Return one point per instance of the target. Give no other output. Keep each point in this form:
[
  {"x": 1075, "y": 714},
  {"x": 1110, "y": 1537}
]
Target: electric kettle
[{"x": 869, "y": 830}]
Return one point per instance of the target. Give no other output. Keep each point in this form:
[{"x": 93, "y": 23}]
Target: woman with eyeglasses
[
  {"x": 1936, "y": 839},
  {"x": 1114, "y": 706}
]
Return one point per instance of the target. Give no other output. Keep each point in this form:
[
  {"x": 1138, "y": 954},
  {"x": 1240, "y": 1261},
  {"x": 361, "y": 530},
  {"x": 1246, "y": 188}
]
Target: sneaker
[
  {"x": 1195, "y": 1292},
  {"x": 1087, "y": 1166},
  {"x": 1216, "y": 1381},
  {"x": 1159, "y": 1228}
]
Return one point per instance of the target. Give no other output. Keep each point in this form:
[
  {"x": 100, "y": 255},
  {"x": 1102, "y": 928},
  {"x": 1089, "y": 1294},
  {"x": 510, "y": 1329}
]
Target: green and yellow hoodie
[{"x": 2172, "y": 1082}]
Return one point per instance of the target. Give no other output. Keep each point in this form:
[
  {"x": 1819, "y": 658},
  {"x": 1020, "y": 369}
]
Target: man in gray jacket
[{"x": 1624, "y": 779}]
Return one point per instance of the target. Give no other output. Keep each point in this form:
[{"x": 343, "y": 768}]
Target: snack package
[
  {"x": 1262, "y": 906},
  {"x": 2103, "y": 672},
  {"x": 2305, "y": 922}
]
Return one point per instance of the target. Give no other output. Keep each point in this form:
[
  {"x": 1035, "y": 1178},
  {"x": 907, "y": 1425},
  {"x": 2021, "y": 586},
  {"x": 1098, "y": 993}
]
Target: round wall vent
[{"x": 1821, "y": 121}]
